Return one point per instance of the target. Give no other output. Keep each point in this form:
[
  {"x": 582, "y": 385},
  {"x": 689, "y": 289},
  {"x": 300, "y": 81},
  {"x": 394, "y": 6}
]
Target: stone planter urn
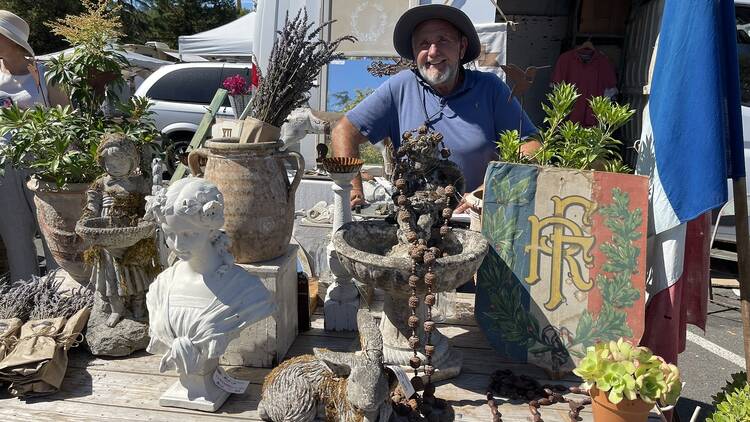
[
  {"x": 57, "y": 211},
  {"x": 362, "y": 247},
  {"x": 258, "y": 196}
]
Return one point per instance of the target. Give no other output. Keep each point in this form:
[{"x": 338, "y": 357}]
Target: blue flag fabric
[{"x": 694, "y": 107}]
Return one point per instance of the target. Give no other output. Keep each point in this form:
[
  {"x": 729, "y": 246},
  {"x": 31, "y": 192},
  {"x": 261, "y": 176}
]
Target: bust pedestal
[
  {"x": 195, "y": 391},
  {"x": 265, "y": 343}
]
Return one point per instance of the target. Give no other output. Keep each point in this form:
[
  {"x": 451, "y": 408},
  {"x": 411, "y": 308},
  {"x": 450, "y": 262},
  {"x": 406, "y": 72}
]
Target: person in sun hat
[
  {"x": 21, "y": 84},
  {"x": 470, "y": 108}
]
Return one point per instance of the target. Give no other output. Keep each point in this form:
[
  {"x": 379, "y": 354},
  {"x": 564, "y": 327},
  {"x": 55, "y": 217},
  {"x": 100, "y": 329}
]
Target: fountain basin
[
  {"x": 99, "y": 231},
  {"x": 362, "y": 248}
]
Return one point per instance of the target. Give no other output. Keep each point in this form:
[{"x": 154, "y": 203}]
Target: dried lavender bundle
[
  {"x": 17, "y": 300},
  {"x": 49, "y": 302},
  {"x": 296, "y": 60}
]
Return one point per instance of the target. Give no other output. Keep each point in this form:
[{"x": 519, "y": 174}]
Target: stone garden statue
[
  {"x": 427, "y": 172},
  {"x": 123, "y": 252},
  {"x": 200, "y": 303},
  {"x": 332, "y": 386}
]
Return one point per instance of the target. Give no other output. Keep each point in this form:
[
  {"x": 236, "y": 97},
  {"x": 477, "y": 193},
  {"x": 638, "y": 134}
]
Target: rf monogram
[{"x": 563, "y": 240}]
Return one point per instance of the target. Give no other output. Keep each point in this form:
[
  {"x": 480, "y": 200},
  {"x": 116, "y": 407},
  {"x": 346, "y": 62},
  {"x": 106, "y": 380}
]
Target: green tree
[
  {"x": 343, "y": 100},
  {"x": 171, "y": 18},
  {"x": 36, "y": 13},
  {"x": 136, "y": 21}
]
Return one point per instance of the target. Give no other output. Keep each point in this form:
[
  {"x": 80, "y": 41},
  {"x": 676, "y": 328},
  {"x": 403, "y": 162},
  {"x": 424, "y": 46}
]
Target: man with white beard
[{"x": 470, "y": 108}]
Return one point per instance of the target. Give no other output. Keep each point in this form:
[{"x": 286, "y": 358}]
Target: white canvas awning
[
  {"x": 135, "y": 59},
  {"x": 233, "y": 39}
]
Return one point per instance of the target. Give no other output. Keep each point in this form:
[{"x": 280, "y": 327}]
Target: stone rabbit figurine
[{"x": 333, "y": 386}]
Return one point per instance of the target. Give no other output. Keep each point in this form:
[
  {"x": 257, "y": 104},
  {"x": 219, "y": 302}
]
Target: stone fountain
[{"x": 414, "y": 255}]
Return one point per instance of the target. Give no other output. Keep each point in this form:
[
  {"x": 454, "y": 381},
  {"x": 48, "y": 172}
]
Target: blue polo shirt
[{"x": 470, "y": 119}]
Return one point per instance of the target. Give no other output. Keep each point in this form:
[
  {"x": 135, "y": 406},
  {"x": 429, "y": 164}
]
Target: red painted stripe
[{"x": 637, "y": 187}]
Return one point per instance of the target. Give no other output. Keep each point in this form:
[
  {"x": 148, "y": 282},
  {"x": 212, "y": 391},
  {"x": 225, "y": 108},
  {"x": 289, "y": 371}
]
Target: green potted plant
[
  {"x": 567, "y": 144},
  {"x": 568, "y": 231},
  {"x": 626, "y": 381},
  {"x": 732, "y": 403},
  {"x": 58, "y": 144}
]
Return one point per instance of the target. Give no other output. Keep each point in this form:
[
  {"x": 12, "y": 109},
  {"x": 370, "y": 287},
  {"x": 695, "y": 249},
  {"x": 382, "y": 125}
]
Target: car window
[
  {"x": 226, "y": 72},
  {"x": 189, "y": 85},
  {"x": 743, "y": 45}
]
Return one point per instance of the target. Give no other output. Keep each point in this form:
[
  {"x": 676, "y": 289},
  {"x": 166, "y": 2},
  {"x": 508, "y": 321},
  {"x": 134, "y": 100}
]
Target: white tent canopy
[
  {"x": 135, "y": 59},
  {"x": 232, "y": 39}
]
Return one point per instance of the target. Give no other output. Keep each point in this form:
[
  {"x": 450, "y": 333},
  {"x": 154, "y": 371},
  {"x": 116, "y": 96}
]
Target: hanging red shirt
[{"x": 591, "y": 79}]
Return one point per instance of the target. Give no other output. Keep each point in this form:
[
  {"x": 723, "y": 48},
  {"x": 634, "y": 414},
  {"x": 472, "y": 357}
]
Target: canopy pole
[{"x": 743, "y": 259}]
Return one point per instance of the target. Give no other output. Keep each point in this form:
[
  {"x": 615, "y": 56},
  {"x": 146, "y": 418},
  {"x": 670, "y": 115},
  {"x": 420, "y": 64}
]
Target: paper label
[
  {"x": 228, "y": 383},
  {"x": 403, "y": 380}
]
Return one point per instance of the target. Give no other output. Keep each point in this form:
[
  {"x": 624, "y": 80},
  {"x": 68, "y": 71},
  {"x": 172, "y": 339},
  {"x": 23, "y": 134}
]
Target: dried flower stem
[{"x": 296, "y": 59}]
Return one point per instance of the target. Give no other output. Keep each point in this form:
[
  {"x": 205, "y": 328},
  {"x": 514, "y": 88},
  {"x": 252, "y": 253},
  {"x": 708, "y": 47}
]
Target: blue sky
[{"x": 349, "y": 75}]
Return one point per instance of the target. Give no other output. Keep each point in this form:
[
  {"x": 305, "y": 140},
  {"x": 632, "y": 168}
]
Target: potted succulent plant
[
  {"x": 58, "y": 144},
  {"x": 626, "y": 381},
  {"x": 732, "y": 403}
]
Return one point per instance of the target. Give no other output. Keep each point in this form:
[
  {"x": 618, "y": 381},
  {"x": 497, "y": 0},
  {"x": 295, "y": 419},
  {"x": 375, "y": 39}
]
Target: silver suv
[{"x": 180, "y": 94}]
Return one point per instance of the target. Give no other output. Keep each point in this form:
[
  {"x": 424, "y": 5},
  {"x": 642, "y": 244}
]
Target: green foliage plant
[
  {"x": 732, "y": 403},
  {"x": 58, "y": 144},
  {"x": 95, "y": 66},
  {"x": 625, "y": 371},
  {"x": 568, "y": 144}
]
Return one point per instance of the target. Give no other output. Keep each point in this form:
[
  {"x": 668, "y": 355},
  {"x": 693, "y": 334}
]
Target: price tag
[
  {"x": 403, "y": 380},
  {"x": 228, "y": 383}
]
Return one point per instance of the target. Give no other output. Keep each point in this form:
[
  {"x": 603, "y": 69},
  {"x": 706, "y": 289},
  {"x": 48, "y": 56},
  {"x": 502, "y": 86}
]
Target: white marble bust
[{"x": 200, "y": 303}]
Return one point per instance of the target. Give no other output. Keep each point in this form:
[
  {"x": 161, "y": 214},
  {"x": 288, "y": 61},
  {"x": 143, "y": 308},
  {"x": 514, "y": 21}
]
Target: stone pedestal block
[{"x": 265, "y": 343}]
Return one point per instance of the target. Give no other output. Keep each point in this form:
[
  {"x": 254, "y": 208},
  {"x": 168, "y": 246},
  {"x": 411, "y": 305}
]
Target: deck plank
[{"x": 128, "y": 389}]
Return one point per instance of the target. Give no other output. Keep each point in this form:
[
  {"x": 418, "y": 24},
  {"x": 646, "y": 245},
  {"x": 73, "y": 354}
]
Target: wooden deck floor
[{"x": 128, "y": 389}]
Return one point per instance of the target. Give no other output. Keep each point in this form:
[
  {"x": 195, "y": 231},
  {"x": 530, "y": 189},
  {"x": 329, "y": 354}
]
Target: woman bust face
[
  {"x": 184, "y": 237},
  {"x": 192, "y": 226}
]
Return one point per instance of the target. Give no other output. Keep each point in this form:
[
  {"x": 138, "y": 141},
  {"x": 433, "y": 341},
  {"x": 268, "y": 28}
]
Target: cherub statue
[
  {"x": 121, "y": 274},
  {"x": 200, "y": 303}
]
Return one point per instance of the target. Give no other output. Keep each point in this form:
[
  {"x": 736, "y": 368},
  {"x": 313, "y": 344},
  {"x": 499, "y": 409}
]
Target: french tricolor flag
[{"x": 692, "y": 138}]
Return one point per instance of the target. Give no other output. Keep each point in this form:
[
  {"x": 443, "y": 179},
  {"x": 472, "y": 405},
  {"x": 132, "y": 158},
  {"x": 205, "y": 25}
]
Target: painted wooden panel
[{"x": 567, "y": 265}]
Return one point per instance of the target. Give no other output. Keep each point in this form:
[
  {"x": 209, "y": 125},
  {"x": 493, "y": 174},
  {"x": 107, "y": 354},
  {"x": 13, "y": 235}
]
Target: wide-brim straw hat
[
  {"x": 16, "y": 30},
  {"x": 406, "y": 24}
]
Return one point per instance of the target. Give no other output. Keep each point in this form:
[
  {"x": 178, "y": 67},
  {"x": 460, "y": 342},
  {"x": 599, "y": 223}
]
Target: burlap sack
[
  {"x": 8, "y": 335},
  {"x": 254, "y": 130},
  {"x": 38, "y": 362}
]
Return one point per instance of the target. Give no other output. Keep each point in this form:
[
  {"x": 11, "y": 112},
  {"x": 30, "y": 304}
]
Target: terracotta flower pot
[
  {"x": 624, "y": 411},
  {"x": 58, "y": 210}
]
